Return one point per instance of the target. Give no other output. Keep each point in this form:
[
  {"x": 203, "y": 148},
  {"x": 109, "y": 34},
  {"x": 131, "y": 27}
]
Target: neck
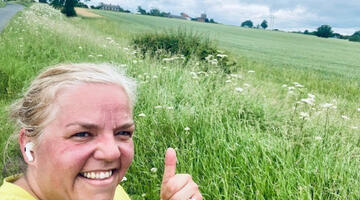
[{"x": 24, "y": 184}]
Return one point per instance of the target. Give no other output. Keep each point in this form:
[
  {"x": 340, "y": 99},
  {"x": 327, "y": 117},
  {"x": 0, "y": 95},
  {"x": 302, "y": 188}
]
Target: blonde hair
[{"x": 34, "y": 110}]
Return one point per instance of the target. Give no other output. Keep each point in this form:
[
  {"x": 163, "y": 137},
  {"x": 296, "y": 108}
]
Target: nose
[{"x": 107, "y": 148}]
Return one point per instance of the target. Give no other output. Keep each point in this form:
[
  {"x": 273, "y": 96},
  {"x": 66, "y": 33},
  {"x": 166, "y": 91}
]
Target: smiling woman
[{"x": 76, "y": 129}]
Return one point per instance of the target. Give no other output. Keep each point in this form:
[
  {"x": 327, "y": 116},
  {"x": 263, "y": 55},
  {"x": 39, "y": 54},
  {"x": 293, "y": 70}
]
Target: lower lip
[{"x": 101, "y": 182}]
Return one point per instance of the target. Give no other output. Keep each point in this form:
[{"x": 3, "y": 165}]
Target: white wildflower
[
  {"x": 99, "y": 55},
  {"x": 158, "y": 107},
  {"x": 155, "y": 77},
  {"x": 80, "y": 47},
  {"x": 208, "y": 57},
  {"x": 246, "y": 85},
  {"x": 153, "y": 170},
  {"x": 251, "y": 71},
  {"x": 298, "y": 85},
  {"x": 291, "y": 88},
  {"x": 228, "y": 81},
  {"x": 186, "y": 129},
  {"x": 284, "y": 86},
  {"x": 122, "y": 65},
  {"x": 311, "y": 96},
  {"x": 124, "y": 179},
  {"x": 304, "y": 115},
  {"x": 308, "y": 101},
  {"x": 326, "y": 105},
  {"x": 221, "y": 55},
  {"x": 167, "y": 59},
  {"x": 143, "y": 195},
  {"x": 345, "y": 117},
  {"x": 318, "y": 138},
  {"x": 142, "y": 115},
  {"x": 135, "y": 61},
  {"x": 238, "y": 89},
  {"x": 91, "y": 56},
  {"x": 170, "y": 108},
  {"x": 358, "y": 109},
  {"x": 126, "y": 49}
]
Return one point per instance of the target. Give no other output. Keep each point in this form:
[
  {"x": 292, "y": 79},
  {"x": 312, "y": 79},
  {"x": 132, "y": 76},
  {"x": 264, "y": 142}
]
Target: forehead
[{"x": 93, "y": 102}]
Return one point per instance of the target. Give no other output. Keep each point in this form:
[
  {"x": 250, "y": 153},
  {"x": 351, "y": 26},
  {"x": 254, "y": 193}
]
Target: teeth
[{"x": 97, "y": 175}]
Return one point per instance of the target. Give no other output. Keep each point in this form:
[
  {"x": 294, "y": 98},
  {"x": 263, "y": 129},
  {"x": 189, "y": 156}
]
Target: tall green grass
[{"x": 251, "y": 134}]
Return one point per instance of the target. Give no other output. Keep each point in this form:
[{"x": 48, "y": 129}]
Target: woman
[{"x": 76, "y": 131}]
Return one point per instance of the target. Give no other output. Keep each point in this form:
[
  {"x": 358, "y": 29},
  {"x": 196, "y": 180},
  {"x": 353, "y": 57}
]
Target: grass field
[{"x": 283, "y": 125}]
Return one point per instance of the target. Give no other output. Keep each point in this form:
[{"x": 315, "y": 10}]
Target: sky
[{"x": 288, "y": 15}]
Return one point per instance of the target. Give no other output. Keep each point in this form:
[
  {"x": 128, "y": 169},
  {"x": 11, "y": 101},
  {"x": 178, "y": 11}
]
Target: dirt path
[
  {"x": 7, "y": 12},
  {"x": 86, "y": 12}
]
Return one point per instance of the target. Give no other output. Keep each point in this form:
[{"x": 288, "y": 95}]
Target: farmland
[{"x": 284, "y": 124}]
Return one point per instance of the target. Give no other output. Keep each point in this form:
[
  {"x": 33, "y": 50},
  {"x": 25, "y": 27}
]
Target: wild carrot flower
[
  {"x": 326, "y": 105},
  {"x": 186, "y": 129},
  {"x": 318, "y": 138},
  {"x": 238, "y": 89},
  {"x": 304, "y": 115},
  {"x": 345, "y": 117}
]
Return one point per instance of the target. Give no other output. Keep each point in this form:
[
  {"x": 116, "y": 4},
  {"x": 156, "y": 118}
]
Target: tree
[
  {"x": 57, "y": 4},
  {"x": 264, "y": 24},
  {"x": 69, "y": 8},
  {"x": 324, "y": 31},
  {"x": 355, "y": 37},
  {"x": 247, "y": 23},
  {"x": 141, "y": 11},
  {"x": 155, "y": 12}
]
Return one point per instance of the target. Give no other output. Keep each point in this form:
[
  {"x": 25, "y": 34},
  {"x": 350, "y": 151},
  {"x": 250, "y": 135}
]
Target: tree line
[
  {"x": 324, "y": 31},
  {"x": 158, "y": 13}
]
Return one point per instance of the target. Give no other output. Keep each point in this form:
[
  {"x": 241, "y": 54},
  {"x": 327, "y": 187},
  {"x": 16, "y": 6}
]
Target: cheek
[
  {"x": 127, "y": 153},
  {"x": 66, "y": 156}
]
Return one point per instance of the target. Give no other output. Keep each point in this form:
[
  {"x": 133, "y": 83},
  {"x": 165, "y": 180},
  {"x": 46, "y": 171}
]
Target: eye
[
  {"x": 81, "y": 134},
  {"x": 124, "y": 133}
]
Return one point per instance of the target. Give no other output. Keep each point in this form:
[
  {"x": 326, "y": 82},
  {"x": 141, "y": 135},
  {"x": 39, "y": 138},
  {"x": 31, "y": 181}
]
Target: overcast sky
[{"x": 290, "y": 15}]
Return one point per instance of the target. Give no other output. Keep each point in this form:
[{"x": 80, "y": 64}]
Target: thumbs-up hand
[{"x": 177, "y": 186}]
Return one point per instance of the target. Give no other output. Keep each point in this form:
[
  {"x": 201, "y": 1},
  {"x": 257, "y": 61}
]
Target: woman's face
[{"x": 85, "y": 152}]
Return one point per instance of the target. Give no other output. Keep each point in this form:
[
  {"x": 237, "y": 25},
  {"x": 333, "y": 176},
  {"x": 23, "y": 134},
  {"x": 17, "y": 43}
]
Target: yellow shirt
[{"x": 10, "y": 191}]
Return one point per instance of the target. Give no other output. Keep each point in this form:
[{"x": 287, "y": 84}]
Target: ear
[{"x": 23, "y": 139}]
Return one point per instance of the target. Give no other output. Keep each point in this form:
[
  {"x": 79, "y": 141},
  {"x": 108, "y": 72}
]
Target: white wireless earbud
[{"x": 28, "y": 148}]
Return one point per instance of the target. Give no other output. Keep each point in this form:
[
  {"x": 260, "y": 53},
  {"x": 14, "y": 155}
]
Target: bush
[
  {"x": 185, "y": 43},
  {"x": 355, "y": 37}
]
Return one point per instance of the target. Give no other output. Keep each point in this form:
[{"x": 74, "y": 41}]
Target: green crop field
[{"x": 283, "y": 124}]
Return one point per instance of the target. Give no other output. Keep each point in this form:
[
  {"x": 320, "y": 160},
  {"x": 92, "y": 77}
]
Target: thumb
[{"x": 170, "y": 164}]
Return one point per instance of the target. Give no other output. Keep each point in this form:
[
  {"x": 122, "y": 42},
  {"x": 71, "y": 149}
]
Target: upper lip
[{"x": 98, "y": 170}]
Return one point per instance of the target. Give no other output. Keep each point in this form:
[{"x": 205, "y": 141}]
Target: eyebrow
[{"x": 94, "y": 126}]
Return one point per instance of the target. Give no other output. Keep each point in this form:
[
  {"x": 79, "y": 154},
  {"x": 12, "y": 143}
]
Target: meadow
[{"x": 283, "y": 124}]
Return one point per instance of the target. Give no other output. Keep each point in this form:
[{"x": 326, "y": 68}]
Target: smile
[{"x": 97, "y": 175}]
